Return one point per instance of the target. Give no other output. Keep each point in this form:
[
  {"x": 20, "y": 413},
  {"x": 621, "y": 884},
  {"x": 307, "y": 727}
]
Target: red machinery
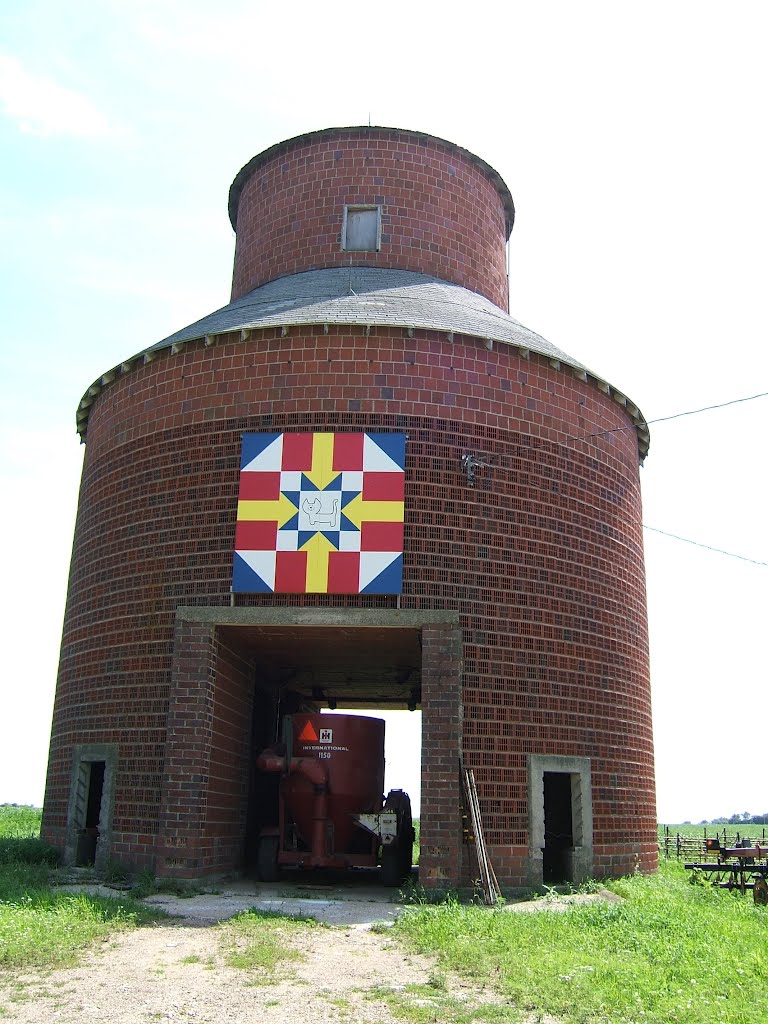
[
  {"x": 331, "y": 813},
  {"x": 738, "y": 868}
]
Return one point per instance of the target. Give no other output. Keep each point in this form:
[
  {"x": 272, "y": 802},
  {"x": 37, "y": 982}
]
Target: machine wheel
[
  {"x": 397, "y": 858},
  {"x": 266, "y": 858},
  {"x": 391, "y": 875},
  {"x": 760, "y": 891}
]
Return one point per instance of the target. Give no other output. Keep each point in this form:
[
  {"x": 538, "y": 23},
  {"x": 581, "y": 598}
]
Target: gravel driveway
[{"x": 175, "y": 972}]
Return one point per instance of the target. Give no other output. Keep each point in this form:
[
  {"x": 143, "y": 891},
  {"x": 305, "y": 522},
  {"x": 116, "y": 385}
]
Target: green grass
[
  {"x": 46, "y": 929},
  {"x": 20, "y": 837},
  {"x": 18, "y": 822},
  {"x": 40, "y": 926},
  {"x": 148, "y": 885},
  {"x": 425, "y": 1004},
  {"x": 260, "y": 942},
  {"x": 669, "y": 952}
]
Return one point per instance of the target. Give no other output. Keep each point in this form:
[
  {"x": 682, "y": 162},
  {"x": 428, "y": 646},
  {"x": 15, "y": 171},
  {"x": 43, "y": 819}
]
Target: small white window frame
[{"x": 357, "y": 208}]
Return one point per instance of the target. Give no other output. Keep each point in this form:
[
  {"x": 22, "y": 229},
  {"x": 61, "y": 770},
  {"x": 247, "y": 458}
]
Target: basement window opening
[{"x": 361, "y": 229}]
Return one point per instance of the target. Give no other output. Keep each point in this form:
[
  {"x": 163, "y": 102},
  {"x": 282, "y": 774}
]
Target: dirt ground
[{"x": 175, "y": 972}]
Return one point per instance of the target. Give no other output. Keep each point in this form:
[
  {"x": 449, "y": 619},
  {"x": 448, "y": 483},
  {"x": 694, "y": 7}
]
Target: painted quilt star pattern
[{"x": 320, "y": 514}]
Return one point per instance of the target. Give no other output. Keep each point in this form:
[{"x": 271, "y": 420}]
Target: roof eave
[{"x": 176, "y": 347}]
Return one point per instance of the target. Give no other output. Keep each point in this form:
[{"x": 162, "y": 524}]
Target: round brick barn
[{"x": 360, "y": 484}]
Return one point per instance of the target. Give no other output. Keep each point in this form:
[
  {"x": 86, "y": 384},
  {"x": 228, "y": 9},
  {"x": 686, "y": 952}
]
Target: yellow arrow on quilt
[
  {"x": 280, "y": 510},
  {"x": 318, "y": 547},
  {"x": 322, "y": 472},
  {"x": 359, "y": 511}
]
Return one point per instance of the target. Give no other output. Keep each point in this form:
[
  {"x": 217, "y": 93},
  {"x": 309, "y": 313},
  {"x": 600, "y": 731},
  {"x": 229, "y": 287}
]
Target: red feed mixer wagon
[{"x": 331, "y": 812}]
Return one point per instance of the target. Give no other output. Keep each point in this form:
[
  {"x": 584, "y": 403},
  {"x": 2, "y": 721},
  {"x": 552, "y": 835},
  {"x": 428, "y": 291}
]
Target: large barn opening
[
  {"x": 254, "y": 690},
  {"x": 345, "y": 673}
]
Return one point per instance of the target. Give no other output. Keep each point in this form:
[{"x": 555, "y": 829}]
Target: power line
[
  {"x": 708, "y": 408},
  {"x": 664, "y": 419},
  {"x": 674, "y": 416},
  {"x": 708, "y": 547},
  {"x": 687, "y": 540}
]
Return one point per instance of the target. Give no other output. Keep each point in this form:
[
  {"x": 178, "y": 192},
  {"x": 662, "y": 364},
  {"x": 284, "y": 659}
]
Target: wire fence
[{"x": 676, "y": 845}]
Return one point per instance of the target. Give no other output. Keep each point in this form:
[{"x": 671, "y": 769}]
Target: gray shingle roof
[
  {"x": 370, "y": 297},
  {"x": 373, "y": 297}
]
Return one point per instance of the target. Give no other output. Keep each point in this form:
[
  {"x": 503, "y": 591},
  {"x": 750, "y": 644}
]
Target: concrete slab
[
  {"x": 358, "y": 906},
  {"x": 211, "y": 908}
]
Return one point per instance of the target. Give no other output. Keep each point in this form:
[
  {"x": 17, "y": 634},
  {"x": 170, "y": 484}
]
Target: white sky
[{"x": 632, "y": 137}]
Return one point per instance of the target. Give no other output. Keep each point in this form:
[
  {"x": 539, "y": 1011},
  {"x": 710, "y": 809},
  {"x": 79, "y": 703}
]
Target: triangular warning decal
[{"x": 308, "y": 734}]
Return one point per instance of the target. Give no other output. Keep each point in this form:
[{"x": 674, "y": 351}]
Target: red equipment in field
[
  {"x": 331, "y": 812},
  {"x": 738, "y": 868}
]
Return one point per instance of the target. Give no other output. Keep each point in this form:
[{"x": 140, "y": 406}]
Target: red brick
[{"x": 542, "y": 558}]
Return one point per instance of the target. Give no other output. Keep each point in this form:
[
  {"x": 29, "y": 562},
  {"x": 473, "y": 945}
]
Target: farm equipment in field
[
  {"x": 330, "y": 809},
  {"x": 737, "y": 868}
]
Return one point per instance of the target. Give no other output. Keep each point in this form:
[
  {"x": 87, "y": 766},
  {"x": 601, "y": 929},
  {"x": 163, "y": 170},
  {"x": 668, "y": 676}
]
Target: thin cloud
[{"x": 42, "y": 107}]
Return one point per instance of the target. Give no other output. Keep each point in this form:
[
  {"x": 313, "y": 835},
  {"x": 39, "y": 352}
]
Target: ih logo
[{"x": 326, "y": 735}]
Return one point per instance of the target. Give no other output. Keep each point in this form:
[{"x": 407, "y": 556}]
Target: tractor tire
[
  {"x": 760, "y": 891},
  {"x": 391, "y": 872},
  {"x": 266, "y": 859},
  {"x": 396, "y": 859}
]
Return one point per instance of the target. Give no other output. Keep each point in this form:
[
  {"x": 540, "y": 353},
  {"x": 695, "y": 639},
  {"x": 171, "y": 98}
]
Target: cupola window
[{"x": 361, "y": 231}]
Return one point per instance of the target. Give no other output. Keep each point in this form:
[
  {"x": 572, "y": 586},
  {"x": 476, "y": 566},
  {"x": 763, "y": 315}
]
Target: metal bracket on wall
[{"x": 470, "y": 463}]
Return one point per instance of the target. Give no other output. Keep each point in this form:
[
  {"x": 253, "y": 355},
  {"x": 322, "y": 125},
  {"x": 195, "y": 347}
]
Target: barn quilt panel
[{"x": 320, "y": 514}]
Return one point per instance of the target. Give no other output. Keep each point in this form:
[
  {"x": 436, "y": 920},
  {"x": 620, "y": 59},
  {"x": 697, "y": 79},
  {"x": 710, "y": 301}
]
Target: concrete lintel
[{"x": 374, "y": 618}]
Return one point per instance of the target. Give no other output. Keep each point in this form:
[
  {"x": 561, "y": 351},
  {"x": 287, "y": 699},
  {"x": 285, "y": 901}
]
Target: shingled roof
[
  {"x": 372, "y": 297},
  {"x": 368, "y": 297}
]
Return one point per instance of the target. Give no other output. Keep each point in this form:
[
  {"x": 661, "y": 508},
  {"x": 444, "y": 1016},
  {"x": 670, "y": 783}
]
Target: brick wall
[
  {"x": 441, "y": 212},
  {"x": 231, "y": 756},
  {"x": 542, "y": 559},
  {"x": 182, "y": 846},
  {"x": 206, "y": 766},
  {"x": 442, "y": 850}
]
